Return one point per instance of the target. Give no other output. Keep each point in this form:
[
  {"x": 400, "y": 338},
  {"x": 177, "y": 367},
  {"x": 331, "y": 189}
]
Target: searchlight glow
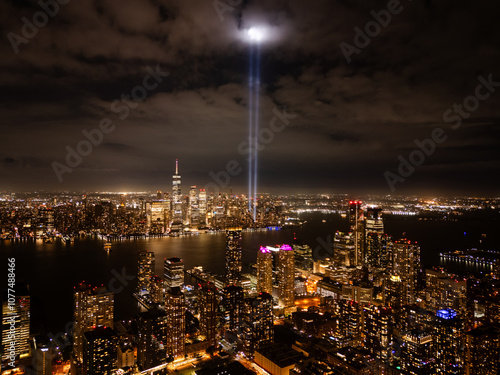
[{"x": 256, "y": 34}]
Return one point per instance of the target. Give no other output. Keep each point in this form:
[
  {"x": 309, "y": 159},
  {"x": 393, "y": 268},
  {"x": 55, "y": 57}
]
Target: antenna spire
[{"x": 176, "y": 166}]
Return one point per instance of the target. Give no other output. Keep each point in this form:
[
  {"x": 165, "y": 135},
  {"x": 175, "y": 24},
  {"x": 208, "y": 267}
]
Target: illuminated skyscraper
[
  {"x": 99, "y": 351},
  {"x": 417, "y": 355},
  {"x": 175, "y": 309},
  {"x": 286, "y": 276},
  {"x": 344, "y": 249},
  {"x": 93, "y": 307},
  {"x": 17, "y": 316},
  {"x": 378, "y": 327},
  {"x": 151, "y": 338},
  {"x": 157, "y": 293},
  {"x": 406, "y": 266},
  {"x": 174, "y": 273},
  {"x": 257, "y": 323},
  {"x": 176, "y": 200},
  {"x": 482, "y": 354},
  {"x": 44, "y": 354},
  {"x": 233, "y": 256},
  {"x": 145, "y": 271},
  {"x": 202, "y": 206},
  {"x": 356, "y": 222},
  {"x": 374, "y": 235},
  {"x": 449, "y": 342},
  {"x": 193, "y": 209},
  {"x": 232, "y": 302},
  {"x": 264, "y": 270},
  {"x": 208, "y": 312}
]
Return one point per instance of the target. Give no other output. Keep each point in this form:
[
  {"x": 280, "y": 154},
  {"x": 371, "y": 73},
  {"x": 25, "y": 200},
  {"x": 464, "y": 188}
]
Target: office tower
[
  {"x": 378, "y": 328},
  {"x": 406, "y": 267},
  {"x": 233, "y": 256},
  {"x": 173, "y": 273},
  {"x": 151, "y": 338},
  {"x": 417, "y": 353},
  {"x": 264, "y": 270},
  {"x": 482, "y": 353},
  {"x": 202, "y": 206},
  {"x": 351, "y": 320},
  {"x": 285, "y": 269},
  {"x": 99, "y": 351},
  {"x": 193, "y": 210},
  {"x": 16, "y": 315},
  {"x": 445, "y": 291},
  {"x": 373, "y": 249},
  {"x": 93, "y": 307},
  {"x": 483, "y": 301},
  {"x": 232, "y": 302},
  {"x": 344, "y": 249},
  {"x": 208, "y": 312},
  {"x": 176, "y": 200},
  {"x": 175, "y": 309},
  {"x": 157, "y": 290},
  {"x": 257, "y": 323},
  {"x": 448, "y": 333},
  {"x": 43, "y": 355},
  {"x": 145, "y": 271},
  {"x": 357, "y": 223},
  {"x": 158, "y": 216}
]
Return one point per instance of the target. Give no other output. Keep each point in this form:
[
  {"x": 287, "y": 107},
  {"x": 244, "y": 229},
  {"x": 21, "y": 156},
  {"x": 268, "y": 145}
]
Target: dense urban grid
[{"x": 364, "y": 306}]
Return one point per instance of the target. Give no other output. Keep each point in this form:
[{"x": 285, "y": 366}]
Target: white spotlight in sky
[{"x": 256, "y": 34}]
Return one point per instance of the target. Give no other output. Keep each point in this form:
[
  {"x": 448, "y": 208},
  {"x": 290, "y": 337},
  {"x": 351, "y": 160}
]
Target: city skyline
[{"x": 344, "y": 106}]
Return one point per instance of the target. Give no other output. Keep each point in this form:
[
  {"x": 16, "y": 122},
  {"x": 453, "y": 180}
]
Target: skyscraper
[
  {"x": 257, "y": 323},
  {"x": 174, "y": 273},
  {"x": 43, "y": 354},
  {"x": 208, "y": 312},
  {"x": 193, "y": 209},
  {"x": 16, "y": 315},
  {"x": 145, "y": 271},
  {"x": 93, "y": 307},
  {"x": 449, "y": 342},
  {"x": 99, "y": 351},
  {"x": 175, "y": 309},
  {"x": 176, "y": 200},
  {"x": 378, "y": 328},
  {"x": 286, "y": 276},
  {"x": 233, "y": 256},
  {"x": 232, "y": 302},
  {"x": 417, "y": 356},
  {"x": 264, "y": 270},
  {"x": 356, "y": 222},
  {"x": 151, "y": 338},
  {"x": 202, "y": 206},
  {"x": 482, "y": 354},
  {"x": 406, "y": 267}
]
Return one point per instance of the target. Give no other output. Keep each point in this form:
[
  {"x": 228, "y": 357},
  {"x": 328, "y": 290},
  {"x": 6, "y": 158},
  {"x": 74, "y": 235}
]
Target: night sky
[{"x": 353, "y": 119}]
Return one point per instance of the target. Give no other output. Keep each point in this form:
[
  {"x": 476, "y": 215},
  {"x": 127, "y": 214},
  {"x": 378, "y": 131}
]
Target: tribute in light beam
[{"x": 255, "y": 36}]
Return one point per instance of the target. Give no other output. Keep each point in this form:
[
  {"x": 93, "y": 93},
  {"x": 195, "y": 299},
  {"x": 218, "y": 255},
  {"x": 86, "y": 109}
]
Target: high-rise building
[
  {"x": 146, "y": 270},
  {"x": 157, "y": 290},
  {"x": 193, "y": 209},
  {"x": 232, "y": 302},
  {"x": 16, "y": 315},
  {"x": 445, "y": 291},
  {"x": 449, "y": 343},
  {"x": 202, "y": 206},
  {"x": 93, "y": 308},
  {"x": 257, "y": 323},
  {"x": 151, "y": 338},
  {"x": 174, "y": 273},
  {"x": 99, "y": 351},
  {"x": 285, "y": 269},
  {"x": 417, "y": 355},
  {"x": 482, "y": 353},
  {"x": 357, "y": 223},
  {"x": 378, "y": 328},
  {"x": 43, "y": 355},
  {"x": 208, "y": 312},
  {"x": 374, "y": 237},
  {"x": 406, "y": 266},
  {"x": 233, "y": 256},
  {"x": 175, "y": 309},
  {"x": 176, "y": 200},
  {"x": 344, "y": 249},
  {"x": 264, "y": 270}
]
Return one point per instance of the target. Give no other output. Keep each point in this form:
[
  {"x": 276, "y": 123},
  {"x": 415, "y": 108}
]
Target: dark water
[{"x": 52, "y": 270}]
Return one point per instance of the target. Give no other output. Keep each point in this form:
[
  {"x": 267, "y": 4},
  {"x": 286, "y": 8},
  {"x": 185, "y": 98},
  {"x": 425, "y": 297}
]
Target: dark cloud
[{"x": 353, "y": 120}]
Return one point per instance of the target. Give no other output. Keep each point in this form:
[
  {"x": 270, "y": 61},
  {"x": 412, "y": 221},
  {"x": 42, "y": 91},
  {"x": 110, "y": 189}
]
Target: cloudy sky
[{"x": 354, "y": 116}]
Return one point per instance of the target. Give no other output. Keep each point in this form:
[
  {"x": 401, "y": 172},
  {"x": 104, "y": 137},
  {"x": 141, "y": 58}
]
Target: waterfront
[{"x": 52, "y": 270}]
